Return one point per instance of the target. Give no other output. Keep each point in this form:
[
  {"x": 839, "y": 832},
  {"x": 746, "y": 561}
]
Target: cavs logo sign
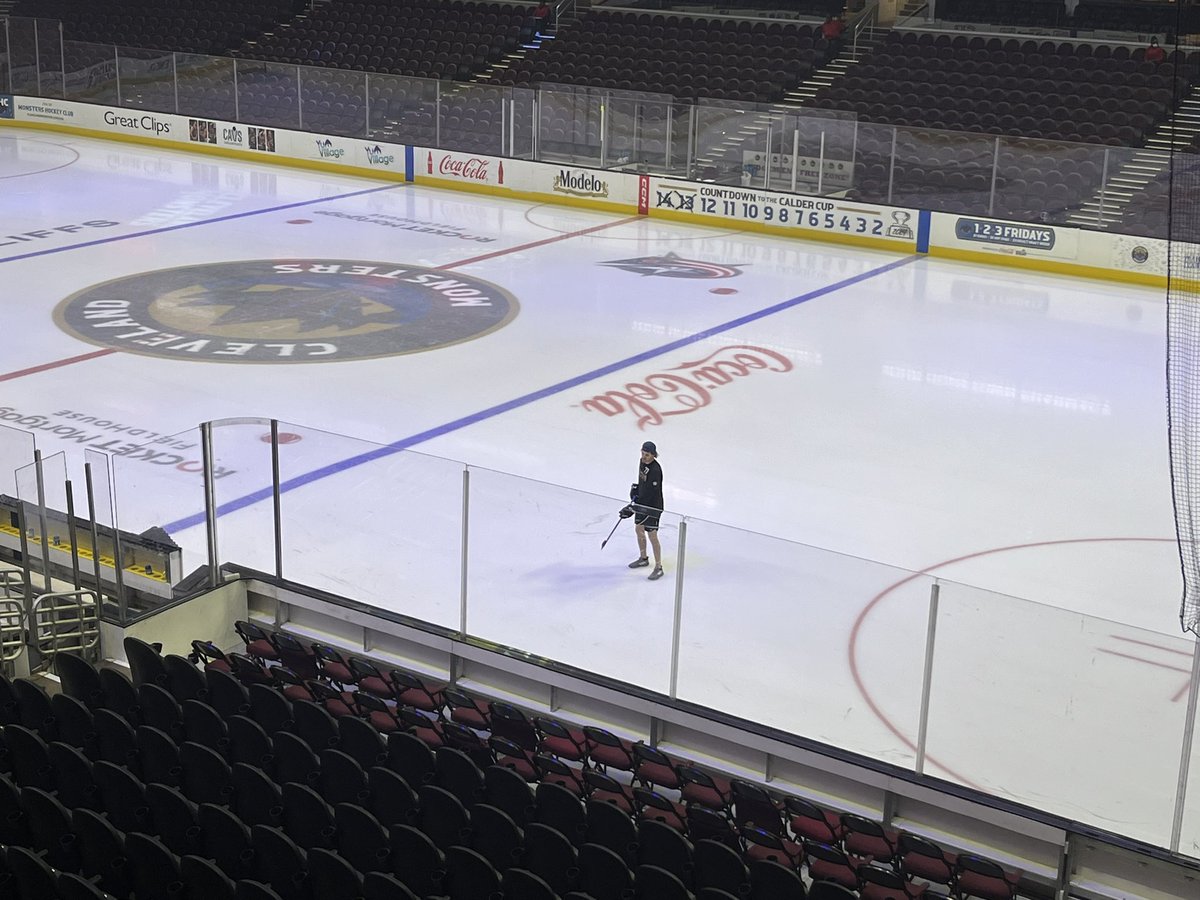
[
  {"x": 286, "y": 311},
  {"x": 674, "y": 266}
]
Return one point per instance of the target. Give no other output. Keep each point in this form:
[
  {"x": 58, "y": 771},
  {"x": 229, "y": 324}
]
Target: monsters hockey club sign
[{"x": 286, "y": 311}]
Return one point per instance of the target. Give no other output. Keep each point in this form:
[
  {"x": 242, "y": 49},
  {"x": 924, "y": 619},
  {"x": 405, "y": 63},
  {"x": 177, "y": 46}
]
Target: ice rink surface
[{"x": 914, "y": 419}]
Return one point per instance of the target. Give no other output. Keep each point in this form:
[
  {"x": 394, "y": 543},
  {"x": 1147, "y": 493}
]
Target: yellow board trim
[
  {"x": 1055, "y": 266},
  {"x": 503, "y": 191},
  {"x": 1060, "y": 267},
  {"x": 256, "y": 156}
]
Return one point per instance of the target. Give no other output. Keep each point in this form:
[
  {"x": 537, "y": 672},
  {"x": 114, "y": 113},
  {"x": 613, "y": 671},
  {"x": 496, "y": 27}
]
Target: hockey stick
[{"x": 611, "y": 533}]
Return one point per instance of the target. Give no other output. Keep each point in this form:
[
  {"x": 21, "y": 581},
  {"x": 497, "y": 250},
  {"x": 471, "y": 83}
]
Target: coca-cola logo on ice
[
  {"x": 687, "y": 387},
  {"x": 470, "y": 168}
]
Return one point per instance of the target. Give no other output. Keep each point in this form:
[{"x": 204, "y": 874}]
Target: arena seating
[
  {"x": 954, "y": 94},
  {"x": 237, "y": 776},
  {"x": 678, "y": 55},
  {"x": 194, "y": 26},
  {"x": 424, "y": 38},
  {"x": 1029, "y": 13}
]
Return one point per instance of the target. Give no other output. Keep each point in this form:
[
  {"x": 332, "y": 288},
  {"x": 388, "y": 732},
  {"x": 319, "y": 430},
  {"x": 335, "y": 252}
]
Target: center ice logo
[
  {"x": 286, "y": 311},
  {"x": 674, "y": 266}
]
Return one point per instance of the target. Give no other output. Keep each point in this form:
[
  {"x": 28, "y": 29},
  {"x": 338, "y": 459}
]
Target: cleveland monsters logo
[
  {"x": 674, "y": 266},
  {"x": 286, "y": 311}
]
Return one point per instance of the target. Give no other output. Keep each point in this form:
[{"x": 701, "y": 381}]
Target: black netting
[{"x": 1183, "y": 328}]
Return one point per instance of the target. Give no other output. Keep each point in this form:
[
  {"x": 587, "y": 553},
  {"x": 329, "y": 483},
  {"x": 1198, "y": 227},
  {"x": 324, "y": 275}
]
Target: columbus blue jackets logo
[
  {"x": 674, "y": 266},
  {"x": 286, "y": 311}
]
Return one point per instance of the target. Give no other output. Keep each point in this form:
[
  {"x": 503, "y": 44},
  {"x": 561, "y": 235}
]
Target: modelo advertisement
[
  {"x": 806, "y": 216},
  {"x": 574, "y": 184}
]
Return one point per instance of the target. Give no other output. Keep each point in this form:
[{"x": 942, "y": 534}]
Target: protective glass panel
[
  {"x": 471, "y": 118},
  {"x": 333, "y": 101},
  {"x": 16, "y": 451},
  {"x": 22, "y": 56},
  {"x": 159, "y": 487},
  {"x": 729, "y": 137},
  {"x": 1017, "y": 688},
  {"x": 538, "y": 580},
  {"x": 1189, "y": 834},
  {"x": 1148, "y": 217},
  {"x": 147, "y": 79},
  {"x": 814, "y": 643},
  {"x": 91, "y": 72},
  {"x": 267, "y": 93},
  {"x": 366, "y": 522},
  {"x": 41, "y": 490},
  {"x": 242, "y": 477},
  {"x": 403, "y": 109},
  {"x": 678, "y": 157},
  {"x": 874, "y": 146},
  {"x": 944, "y": 170},
  {"x": 1056, "y": 182},
  {"x": 50, "y": 58},
  {"x": 206, "y": 88},
  {"x": 570, "y": 124},
  {"x": 520, "y": 123},
  {"x": 635, "y": 130}
]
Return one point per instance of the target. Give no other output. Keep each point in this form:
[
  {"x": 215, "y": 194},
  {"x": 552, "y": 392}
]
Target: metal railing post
[
  {"x": 210, "y": 504},
  {"x": 795, "y": 154},
  {"x": 927, "y": 677},
  {"x": 71, "y": 535},
  {"x": 8, "y": 56},
  {"x": 691, "y": 138},
  {"x": 117, "y": 70},
  {"x": 299, "y": 100},
  {"x": 462, "y": 588},
  {"x": 677, "y": 618},
  {"x": 91, "y": 501},
  {"x": 41, "y": 502},
  {"x": 437, "y": 114},
  {"x": 62, "y": 59},
  {"x": 670, "y": 138},
  {"x": 1103, "y": 190},
  {"x": 275, "y": 498},
  {"x": 995, "y": 172},
  {"x": 604, "y": 128},
  {"x": 821, "y": 165},
  {"x": 1185, "y": 754},
  {"x": 37, "y": 57},
  {"x": 237, "y": 106},
  {"x": 770, "y": 155},
  {"x": 366, "y": 104},
  {"x": 892, "y": 163}
]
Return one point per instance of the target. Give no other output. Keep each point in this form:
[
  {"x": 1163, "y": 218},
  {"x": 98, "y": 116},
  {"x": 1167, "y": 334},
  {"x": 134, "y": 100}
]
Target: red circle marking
[
  {"x": 299, "y": 221},
  {"x": 723, "y": 290},
  {"x": 852, "y": 650},
  {"x": 285, "y": 437}
]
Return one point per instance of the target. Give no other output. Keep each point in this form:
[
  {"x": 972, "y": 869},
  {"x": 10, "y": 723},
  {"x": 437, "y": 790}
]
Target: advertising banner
[{"x": 804, "y": 216}]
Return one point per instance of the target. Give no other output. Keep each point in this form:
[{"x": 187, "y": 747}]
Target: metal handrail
[
  {"x": 12, "y": 583},
  {"x": 70, "y": 625},
  {"x": 12, "y": 631},
  {"x": 865, "y": 21}
]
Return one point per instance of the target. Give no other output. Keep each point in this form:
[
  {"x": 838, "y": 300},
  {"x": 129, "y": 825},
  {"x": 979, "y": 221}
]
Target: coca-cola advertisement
[{"x": 464, "y": 167}]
